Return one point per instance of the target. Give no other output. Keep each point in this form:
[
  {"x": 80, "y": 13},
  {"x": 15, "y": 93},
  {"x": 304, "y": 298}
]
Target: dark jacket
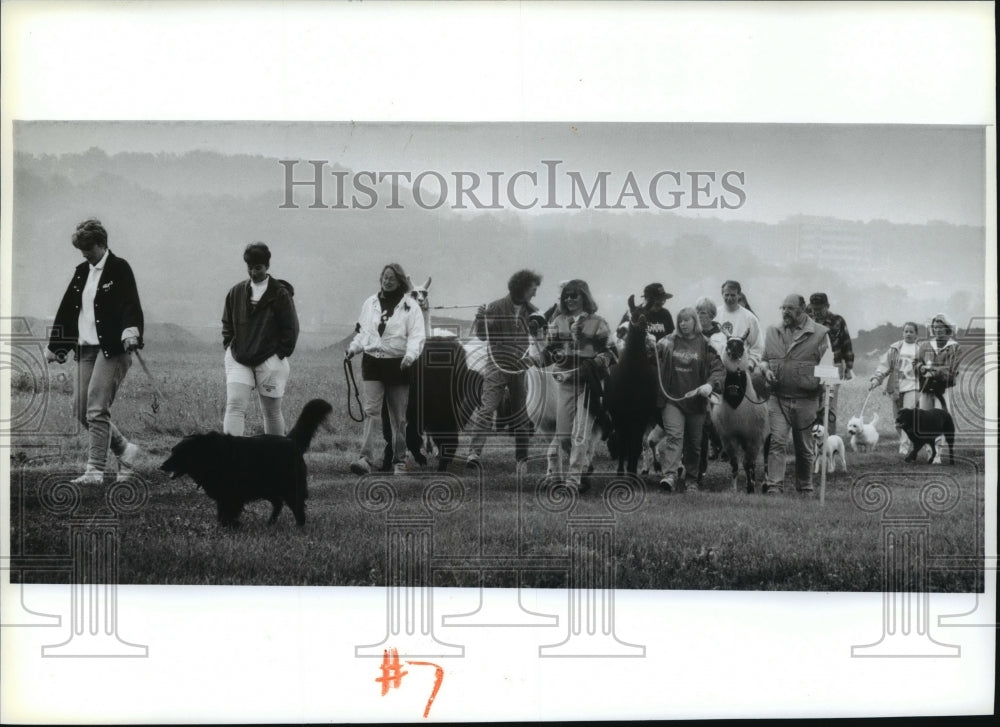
[
  {"x": 116, "y": 307},
  {"x": 255, "y": 333},
  {"x": 686, "y": 364},
  {"x": 840, "y": 338},
  {"x": 658, "y": 323},
  {"x": 505, "y": 332},
  {"x": 792, "y": 355},
  {"x": 936, "y": 366}
]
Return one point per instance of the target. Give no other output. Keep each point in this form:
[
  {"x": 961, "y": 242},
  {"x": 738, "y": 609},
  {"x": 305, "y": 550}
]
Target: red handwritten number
[
  {"x": 438, "y": 678},
  {"x": 393, "y": 673}
]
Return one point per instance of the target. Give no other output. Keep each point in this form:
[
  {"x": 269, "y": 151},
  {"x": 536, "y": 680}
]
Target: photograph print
[{"x": 685, "y": 356}]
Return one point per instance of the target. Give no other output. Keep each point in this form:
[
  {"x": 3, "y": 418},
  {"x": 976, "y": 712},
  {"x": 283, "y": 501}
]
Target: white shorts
[{"x": 269, "y": 377}]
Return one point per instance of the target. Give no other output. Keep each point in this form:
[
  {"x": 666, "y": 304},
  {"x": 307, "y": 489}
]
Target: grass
[{"x": 714, "y": 539}]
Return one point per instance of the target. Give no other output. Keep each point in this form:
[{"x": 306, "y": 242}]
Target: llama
[
  {"x": 741, "y": 417},
  {"x": 444, "y": 391},
  {"x": 630, "y": 393}
]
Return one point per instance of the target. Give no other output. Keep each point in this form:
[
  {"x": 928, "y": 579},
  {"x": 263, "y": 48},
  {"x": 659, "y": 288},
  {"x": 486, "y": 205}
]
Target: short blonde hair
[{"x": 708, "y": 305}]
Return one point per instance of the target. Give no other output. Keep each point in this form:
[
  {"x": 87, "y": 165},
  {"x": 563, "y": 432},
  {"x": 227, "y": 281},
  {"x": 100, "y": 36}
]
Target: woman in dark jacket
[
  {"x": 100, "y": 321},
  {"x": 259, "y": 331},
  {"x": 690, "y": 370}
]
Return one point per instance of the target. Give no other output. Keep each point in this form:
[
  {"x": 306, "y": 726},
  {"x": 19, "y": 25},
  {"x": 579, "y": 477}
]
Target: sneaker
[
  {"x": 90, "y": 476},
  {"x": 805, "y": 490},
  {"x": 361, "y": 467},
  {"x": 667, "y": 483},
  {"x": 772, "y": 490},
  {"x": 691, "y": 486}
]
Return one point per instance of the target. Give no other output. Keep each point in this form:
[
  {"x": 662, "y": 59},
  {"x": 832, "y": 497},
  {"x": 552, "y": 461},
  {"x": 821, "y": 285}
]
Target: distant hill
[
  {"x": 182, "y": 221},
  {"x": 157, "y": 336}
]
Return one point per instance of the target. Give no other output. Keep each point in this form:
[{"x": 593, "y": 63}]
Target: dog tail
[
  {"x": 313, "y": 414},
  {"x": 875, "y": 419}
]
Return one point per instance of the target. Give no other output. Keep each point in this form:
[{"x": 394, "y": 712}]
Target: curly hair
[
  {"x": 90, "y": 233},
  {"x": 520, "y": 281}
]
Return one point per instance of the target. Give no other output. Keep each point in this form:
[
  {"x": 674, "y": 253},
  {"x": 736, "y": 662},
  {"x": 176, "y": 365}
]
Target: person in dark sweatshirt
[
  {"x": 690, "y": 370},
  {"x": 259, "y": 332}
]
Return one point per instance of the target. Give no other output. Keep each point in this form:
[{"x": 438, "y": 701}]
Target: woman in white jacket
[
  {"x": 391, "y": 337},
  {"x": 897, "y": 370}
]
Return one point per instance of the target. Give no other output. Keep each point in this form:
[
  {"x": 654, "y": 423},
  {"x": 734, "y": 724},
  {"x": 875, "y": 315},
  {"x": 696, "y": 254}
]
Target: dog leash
[
  {"x": 861, "y": 414},
  {"x": 152, "y": 381},
  {"x": 349, "y": 378}
]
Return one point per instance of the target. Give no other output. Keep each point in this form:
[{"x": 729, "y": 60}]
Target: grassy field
[{"x": 713, "y": 539}]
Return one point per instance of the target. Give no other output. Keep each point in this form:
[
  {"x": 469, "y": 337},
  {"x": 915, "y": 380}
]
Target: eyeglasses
[{"x": 571, "y": 294}]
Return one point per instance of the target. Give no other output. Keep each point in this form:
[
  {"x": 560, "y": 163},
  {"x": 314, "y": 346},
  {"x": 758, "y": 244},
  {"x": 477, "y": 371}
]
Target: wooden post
[
  {"x": 829, "y": 376},
  {"x": 826, "y": 428}
]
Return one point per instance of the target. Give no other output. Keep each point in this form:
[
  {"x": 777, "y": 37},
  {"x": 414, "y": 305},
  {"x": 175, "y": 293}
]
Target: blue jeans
[
  {"x": 396, "y": 397},
  {"x": 99, "y": 378},
  {"x": 574, "y": 427},
  {"x": 790, "y": 420},
  {"x": 682, "y": 440}
]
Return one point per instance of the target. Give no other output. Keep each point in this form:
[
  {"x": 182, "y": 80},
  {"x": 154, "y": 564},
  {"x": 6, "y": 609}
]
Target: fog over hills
[{"x": 182, "y": 221}]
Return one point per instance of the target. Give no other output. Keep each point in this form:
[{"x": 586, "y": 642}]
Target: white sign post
[{"x": 830, "y": 377}]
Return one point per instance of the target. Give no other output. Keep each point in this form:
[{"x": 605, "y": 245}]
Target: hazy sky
[{"x": 906, "y": 174}]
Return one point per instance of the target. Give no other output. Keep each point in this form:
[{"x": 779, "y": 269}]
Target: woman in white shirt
[
  {"x": 390, "y": 335},
  {"x": 896, "y": 369}
]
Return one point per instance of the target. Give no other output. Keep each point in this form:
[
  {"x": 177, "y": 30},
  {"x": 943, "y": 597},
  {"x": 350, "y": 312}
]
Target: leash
[
  {"x": 351, "y": 382},
  {"x": 659, "y": 380},
  {"x": 489, "y": 348},
  {"x": 152, "y": 381},
  {"x": 788, "y": 419},
  {"x": 861, "y": 414}
]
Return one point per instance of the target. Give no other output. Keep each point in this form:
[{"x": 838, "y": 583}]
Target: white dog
[
  {"x": 863, "y": 436},
  {"x": 827, "y": 448}
]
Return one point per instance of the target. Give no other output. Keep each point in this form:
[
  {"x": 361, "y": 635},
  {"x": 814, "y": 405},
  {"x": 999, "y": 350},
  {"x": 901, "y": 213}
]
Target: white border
[{"x": 217, "y": 653}]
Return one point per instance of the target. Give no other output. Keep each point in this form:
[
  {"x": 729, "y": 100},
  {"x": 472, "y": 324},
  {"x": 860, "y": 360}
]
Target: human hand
[
  {"x": 872, "y": 384},
  {"x": 704, "y": 390},
  {"x": 405, "y": 364},
  {"x": 52, "y": 356},
  {"x": 348, "y": 354},
  {"x": 131, "y": 344},
  {"x": 848, "y": 374}
]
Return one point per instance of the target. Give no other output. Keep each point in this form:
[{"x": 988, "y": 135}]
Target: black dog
[
  {"x": 236, "y": 470},
  {"x": 923, "y": 426}
]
